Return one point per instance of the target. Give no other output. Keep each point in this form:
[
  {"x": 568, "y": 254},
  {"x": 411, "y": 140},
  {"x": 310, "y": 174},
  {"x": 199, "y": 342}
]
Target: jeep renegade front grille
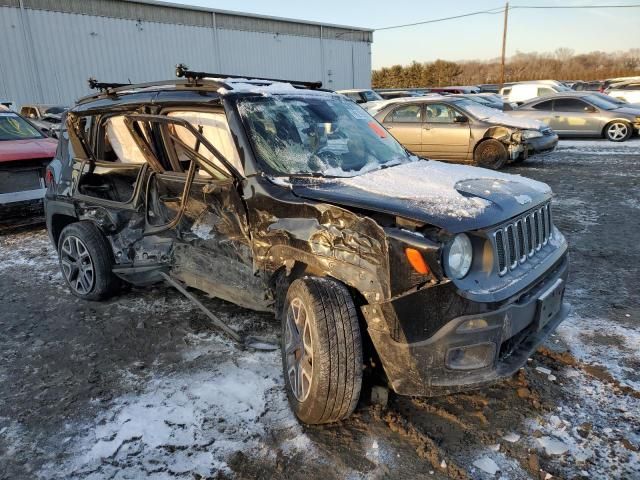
[{"x": 521, "y": 239}]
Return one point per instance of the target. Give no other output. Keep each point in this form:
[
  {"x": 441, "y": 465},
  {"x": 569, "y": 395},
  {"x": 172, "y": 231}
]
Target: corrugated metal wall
[{"x": 46, "y": 56}]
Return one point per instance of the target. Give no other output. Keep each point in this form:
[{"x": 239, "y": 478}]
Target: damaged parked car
[
  {"x": 46, "y": 117},
  {"x": 461, "y": 130},
  {"x": 285, "y": 198},
  {"x": 24, "y": 154}
]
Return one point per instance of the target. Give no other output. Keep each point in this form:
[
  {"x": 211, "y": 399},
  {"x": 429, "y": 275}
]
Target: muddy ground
[{"x": 143, "y": 387}]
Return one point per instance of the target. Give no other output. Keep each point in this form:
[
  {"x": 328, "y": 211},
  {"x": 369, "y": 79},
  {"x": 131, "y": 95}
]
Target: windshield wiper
[
  {"x": 310, "y": 175},
  {"x": 390, "y": 163}
]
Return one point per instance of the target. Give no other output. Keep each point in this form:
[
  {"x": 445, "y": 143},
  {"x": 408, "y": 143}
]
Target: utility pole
[{"x": 504, "y": 43}]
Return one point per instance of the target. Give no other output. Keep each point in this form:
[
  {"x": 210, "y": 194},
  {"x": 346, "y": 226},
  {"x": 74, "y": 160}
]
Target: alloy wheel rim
[
  {"x": 77, "y": 266},
  {"x": 618, "y": 131},
  {"x": 299, "y": 350},
  {"x": 489, "y": 155}
]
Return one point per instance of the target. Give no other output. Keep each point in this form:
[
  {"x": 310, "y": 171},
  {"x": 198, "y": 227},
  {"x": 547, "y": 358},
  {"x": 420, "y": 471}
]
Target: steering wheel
[{"x": 328, "y": 157}]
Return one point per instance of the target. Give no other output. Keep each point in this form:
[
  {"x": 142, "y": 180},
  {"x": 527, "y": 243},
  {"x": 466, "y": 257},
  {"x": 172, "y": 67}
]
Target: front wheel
[
  {"x": 490, "y": 154},
  {"x": 617, "y": 131},
  {"x": 321, "y": 350}
]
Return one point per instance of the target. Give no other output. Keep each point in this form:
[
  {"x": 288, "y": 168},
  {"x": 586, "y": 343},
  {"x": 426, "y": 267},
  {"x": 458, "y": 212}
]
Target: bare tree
[{"x": 562, "y": 64}]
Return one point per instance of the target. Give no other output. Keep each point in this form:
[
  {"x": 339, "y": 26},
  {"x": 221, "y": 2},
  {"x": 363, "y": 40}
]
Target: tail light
[{"x": 49, "y": 179}]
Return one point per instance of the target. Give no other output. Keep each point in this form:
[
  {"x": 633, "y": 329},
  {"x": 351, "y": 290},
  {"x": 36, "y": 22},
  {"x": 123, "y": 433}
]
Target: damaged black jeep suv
[{"x": 287, "y": 198}]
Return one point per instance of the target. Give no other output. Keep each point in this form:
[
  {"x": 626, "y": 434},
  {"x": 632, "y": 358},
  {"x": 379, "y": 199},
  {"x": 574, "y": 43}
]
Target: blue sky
[{"x": 477, "y": 37}]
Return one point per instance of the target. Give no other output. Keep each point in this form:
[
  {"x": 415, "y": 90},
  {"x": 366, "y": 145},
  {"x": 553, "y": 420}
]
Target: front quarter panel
[{"x": 328, "y": 239}]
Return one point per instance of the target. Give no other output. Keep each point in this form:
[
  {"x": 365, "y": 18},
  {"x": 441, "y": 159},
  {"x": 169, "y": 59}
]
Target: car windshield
[
  {"x": 54, "y": 110},
  {"x": 323, "y": 135},
  {"x": 607, "y": 98},
  {"x": 371, "y": 96},
  {"x": 480, "y": 100},
  {"x": 481, "y": 112},
  {"x": 14, "y": 127},
  {"x": 600, "y": 102}
]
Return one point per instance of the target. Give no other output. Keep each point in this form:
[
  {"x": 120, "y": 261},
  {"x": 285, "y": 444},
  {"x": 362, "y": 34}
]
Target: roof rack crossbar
[
  {"x": 182, "y": 71},
  {"x": 102, "y": 86},
  {"x": 115, "y": 88}
]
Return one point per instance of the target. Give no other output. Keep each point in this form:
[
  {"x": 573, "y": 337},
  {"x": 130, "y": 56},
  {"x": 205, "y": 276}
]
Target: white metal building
[{"x": 49, "y": 48}]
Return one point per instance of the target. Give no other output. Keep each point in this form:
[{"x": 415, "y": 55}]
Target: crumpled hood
[
  {"x": 516, "y": 122},
  {"x": 454, "y": 197},
  {"x": 11, "y": 150}
]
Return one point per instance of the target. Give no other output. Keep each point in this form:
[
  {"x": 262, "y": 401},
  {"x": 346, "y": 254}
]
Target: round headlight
[{"x": 460, "y": 256}]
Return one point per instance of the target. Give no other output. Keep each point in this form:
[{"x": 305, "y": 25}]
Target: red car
[{"x": 24, "y": 154}]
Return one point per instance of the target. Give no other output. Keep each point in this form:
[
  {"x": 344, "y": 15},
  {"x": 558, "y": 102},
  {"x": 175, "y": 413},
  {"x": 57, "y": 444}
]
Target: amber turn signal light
[{"x": 416, "y": 260}]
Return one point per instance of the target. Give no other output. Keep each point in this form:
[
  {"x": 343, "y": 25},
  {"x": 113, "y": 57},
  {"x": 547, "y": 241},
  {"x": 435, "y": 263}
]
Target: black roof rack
[
  {"x": 96, "y": 85},
  {"x": 192, "y": 79},
  {"x": 182, "y": 71}
]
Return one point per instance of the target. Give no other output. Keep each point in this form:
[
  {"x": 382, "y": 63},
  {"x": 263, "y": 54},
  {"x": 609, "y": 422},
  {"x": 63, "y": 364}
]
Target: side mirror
[
  {"x": 590, "y": 109},
  {"x": 460, "y": 119},
  {"x": 32, "y": 115}
]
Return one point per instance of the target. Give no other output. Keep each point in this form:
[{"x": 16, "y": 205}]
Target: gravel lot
[{"x": 142, "y": 387}]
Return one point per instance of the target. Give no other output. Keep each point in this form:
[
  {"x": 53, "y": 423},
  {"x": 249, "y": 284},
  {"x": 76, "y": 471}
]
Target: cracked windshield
[{"x": 326, "y": 136}]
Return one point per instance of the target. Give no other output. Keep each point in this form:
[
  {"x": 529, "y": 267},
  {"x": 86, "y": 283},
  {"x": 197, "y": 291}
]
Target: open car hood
[{"x": 456, "y": 198}]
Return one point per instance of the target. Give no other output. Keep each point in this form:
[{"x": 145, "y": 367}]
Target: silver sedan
[{"x": 583, "y": 114}]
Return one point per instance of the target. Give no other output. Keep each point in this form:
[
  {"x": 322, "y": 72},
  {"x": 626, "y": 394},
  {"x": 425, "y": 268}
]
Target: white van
[{"x": 521, "y": 92}]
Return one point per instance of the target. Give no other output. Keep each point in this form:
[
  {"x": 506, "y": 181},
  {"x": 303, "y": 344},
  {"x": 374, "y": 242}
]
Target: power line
[
  {"x": 501, "y": 10},
  {"x": 481, "y": 12},
  {"x": 574, "y": 6}
]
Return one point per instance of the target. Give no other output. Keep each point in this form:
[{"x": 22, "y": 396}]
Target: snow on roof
[
  {"x": 354, "y": 90},
  {"x": 246, "y": 85},
  {"x": 375, "y": 106}
]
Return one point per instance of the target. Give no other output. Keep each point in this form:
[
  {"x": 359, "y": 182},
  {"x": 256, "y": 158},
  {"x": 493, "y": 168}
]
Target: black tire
[
  {"x": 618, "y": 131},
  {"x": 336, "y": 361},
  {"x": 102, "y": 282},
  {"x": 491, "y": 154}
]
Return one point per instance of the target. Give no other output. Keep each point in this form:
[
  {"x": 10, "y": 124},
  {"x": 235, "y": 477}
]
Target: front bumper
[
  {"x": 17, "y": 206},
  {"x": 515, "y": 329},
  {"x": 546, "y": 143}
]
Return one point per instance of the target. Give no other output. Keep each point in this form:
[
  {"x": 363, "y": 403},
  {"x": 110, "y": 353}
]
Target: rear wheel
[
  {"x": 618, "y": 131},
  {"x": 86, "y": 261},
  {"x": 490, "y": 154},
  {"x": 321, "y": 350}
]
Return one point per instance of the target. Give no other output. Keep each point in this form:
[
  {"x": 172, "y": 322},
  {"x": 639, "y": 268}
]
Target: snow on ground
[
  {"x": 580, "y": 333},
  {"x": 577, "y": 435},
  {"x": 599, "y": 147},
  {"x": 219, "y": 402},
  {"x": 33, "y": 251}
]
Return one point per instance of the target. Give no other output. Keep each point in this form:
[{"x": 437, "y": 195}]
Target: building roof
[
  {"x": 174, "y": 13},
  {"x": 245, "y": 14}
]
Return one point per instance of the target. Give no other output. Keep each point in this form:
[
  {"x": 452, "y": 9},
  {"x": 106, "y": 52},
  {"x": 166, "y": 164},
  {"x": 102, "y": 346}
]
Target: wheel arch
[
  {"x": 58, "y": 222},
  {"x": 284, "y": 276}
]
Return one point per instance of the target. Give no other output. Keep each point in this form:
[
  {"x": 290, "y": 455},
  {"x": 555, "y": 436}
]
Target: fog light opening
[
  {"x": 471, "y": 357},
  {"x": 472, "y": 325}
]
